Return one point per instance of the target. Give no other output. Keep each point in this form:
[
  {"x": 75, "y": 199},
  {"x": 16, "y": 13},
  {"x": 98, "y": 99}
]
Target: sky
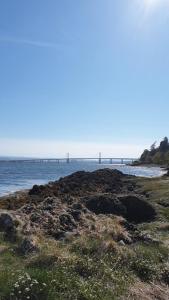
[{"x": 83, "y": 76}]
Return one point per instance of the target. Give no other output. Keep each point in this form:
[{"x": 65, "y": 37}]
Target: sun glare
[{"x": 151, "y": 3}]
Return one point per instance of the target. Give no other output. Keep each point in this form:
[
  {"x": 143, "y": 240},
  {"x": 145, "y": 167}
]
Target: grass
[
  {"x": 85, "y": 269},
  {"x": 63, "y": 271}
]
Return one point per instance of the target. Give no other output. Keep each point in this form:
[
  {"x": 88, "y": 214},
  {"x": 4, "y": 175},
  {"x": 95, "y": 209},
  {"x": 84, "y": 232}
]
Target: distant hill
[{"x": 156, "y": 154}]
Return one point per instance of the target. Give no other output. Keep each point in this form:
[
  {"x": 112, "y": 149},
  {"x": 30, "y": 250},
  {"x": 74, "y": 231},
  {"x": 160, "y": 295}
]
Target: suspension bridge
[{"x": 67, "y": 159}]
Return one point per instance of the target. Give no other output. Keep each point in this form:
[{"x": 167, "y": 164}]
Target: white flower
[
  {"x": 27, "y": 289},
  {"x": 28, "y": 276},
  {"x": 35, "y": 281}
]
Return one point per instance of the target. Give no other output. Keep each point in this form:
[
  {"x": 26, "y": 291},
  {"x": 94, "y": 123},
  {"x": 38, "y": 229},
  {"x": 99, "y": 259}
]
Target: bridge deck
[{"x": 69, "y": 159}]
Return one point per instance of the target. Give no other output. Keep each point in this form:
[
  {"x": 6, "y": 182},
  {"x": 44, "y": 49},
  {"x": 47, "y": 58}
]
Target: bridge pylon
[
  {"x": 68, "y": 158},
  {"x": 100, "y": 158}
]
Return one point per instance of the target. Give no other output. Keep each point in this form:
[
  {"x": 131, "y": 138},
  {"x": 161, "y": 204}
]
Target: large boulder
[
  {"x": 105, "y": 204},
  {"x": 138, "y": 210},
  {"x": 133, "y": 208}
]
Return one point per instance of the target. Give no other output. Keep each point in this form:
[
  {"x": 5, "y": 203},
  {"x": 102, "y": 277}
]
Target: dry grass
[{"x": 143, "y": 291}]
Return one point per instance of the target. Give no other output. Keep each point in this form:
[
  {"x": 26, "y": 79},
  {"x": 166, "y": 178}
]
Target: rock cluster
[{"x": 65, "y": 207}]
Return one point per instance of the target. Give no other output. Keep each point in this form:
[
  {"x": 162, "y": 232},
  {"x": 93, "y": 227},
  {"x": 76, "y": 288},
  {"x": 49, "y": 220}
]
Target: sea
[{"x": 20, "y": 175}]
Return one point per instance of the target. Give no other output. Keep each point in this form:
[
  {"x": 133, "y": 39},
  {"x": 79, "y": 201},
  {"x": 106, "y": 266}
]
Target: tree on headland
[
  {"x": 164, "y": 145},
  {"x": 156, "y": 155},
  {"x": 153, "y": 148},
  {"x": 145, "y": 156}
]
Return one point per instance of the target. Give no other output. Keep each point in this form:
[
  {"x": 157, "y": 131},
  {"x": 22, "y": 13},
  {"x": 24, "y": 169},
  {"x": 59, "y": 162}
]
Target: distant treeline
[{"x": 156, "y": 154}]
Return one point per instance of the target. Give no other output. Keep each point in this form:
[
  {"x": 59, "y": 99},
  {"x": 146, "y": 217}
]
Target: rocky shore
[
  {"x": 117, "y": 212},
  {"x": 66, "y": 207}
]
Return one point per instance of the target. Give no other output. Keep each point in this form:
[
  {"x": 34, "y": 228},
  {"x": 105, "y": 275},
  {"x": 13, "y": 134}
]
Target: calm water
[{"x": 15, "y": 176}]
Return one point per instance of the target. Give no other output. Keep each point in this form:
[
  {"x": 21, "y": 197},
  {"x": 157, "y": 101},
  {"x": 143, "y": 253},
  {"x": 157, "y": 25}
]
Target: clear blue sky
[{"x": 83, "y": 71}]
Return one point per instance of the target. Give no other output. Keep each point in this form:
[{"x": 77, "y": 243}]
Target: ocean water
[{"x": 15, "y": 176}]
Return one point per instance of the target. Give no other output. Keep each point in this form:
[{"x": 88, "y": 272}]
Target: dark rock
[
  {"x": 80, "y": 183},
  {"x": 128, "y": 226},
  {"x": 76, "y": 213},
  {"x": 37, "y": 190},
  {"x": 105, "y": 204},
  {"x": 6, "y": 222},
  {"x": 78, "y": 206},
  {"x": 130, "y": 188},
  {"x": 27, "y": 246},
  {"x": 138, "y": 210},
  {"x": 58, "y": 234},
  {"x": 131, "y": 207},
  {"x": 8, "y": 226}
]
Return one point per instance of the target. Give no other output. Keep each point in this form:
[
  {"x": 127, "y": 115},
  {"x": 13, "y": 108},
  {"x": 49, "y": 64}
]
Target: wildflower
[
  {"x": 27, "y": 289},
  {"x": 28, "y": 276},
  {"x": 53, "y": 281},
  {"x": 44, "y": 284},
  {"x": 35, "y": 281}
]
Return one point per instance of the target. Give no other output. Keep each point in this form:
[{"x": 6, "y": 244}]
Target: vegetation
[
  {"x": 114, "y": 260},
  {"x": 156, "y": 155},
  {"x": 100, "y": 274}
]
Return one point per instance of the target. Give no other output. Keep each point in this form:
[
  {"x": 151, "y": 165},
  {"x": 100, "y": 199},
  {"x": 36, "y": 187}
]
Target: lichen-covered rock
[{"x": 67, "y": 221}]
